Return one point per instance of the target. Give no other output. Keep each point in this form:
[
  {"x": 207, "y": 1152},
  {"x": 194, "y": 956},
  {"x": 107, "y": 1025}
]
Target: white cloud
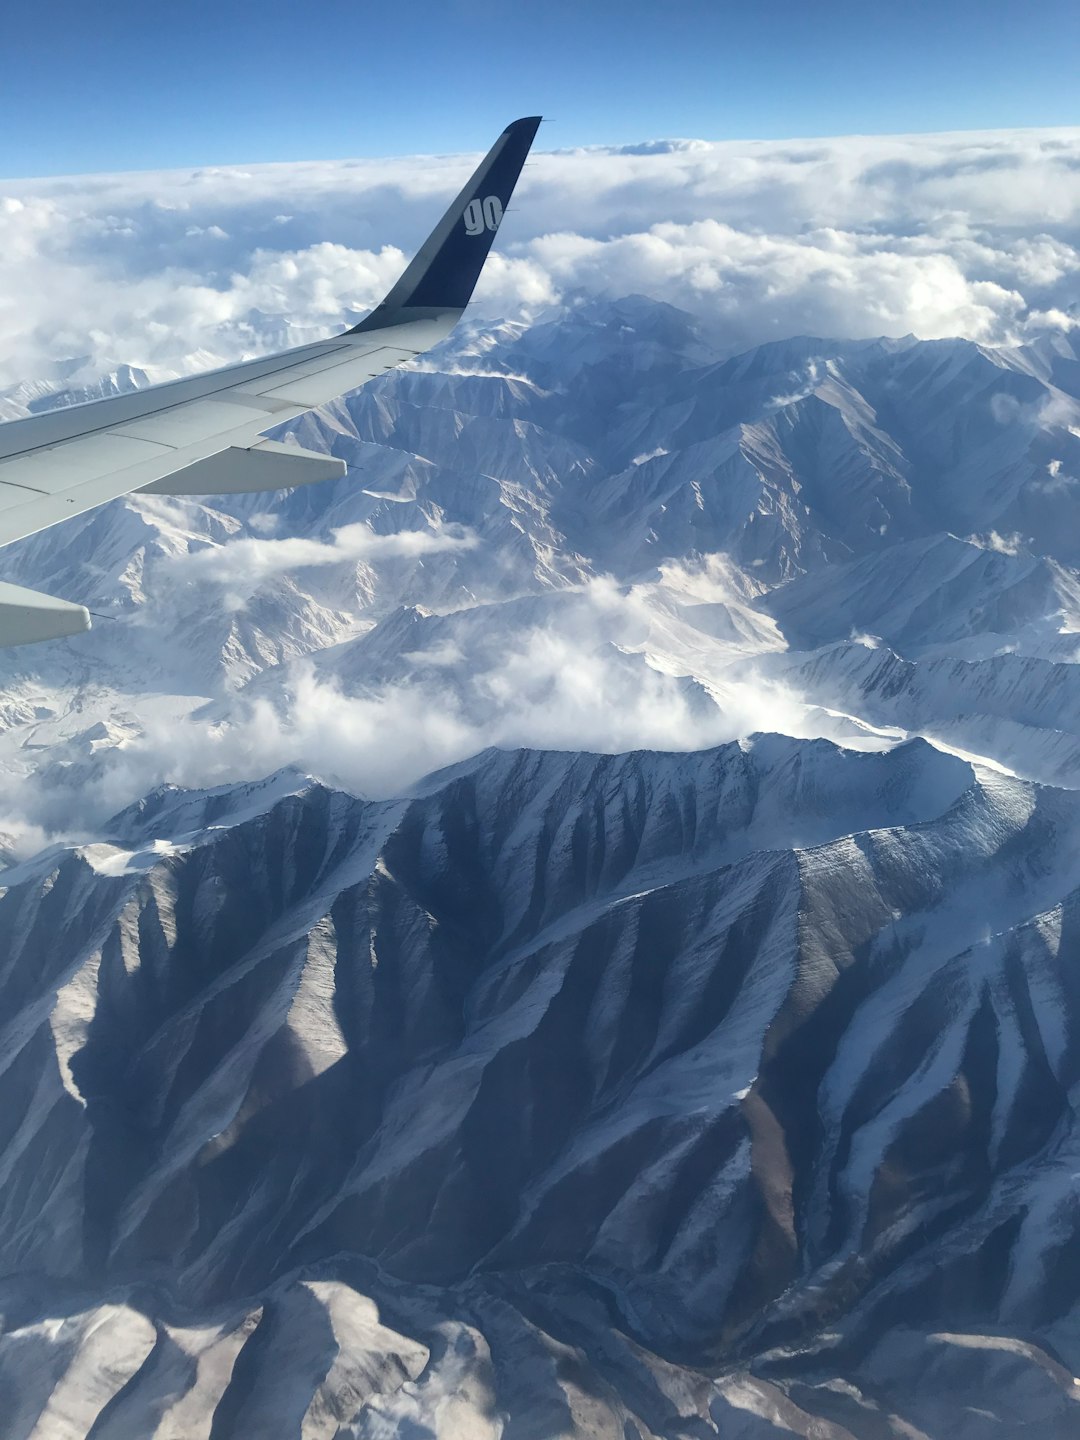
[
  {"x": 240, "y": 567},
  {"x": 1002, "y": 544},
  {"x": 550, "y": 690},
  {"x": 576, "y": 678},
  {"x": 975, "y": 235}
]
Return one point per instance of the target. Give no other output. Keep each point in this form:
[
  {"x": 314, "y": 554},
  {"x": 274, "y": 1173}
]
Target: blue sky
[{"x": 138, "y": 86}]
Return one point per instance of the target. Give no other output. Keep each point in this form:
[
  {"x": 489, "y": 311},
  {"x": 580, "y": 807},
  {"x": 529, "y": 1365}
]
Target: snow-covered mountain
[{"x": 658, "y": 1016}]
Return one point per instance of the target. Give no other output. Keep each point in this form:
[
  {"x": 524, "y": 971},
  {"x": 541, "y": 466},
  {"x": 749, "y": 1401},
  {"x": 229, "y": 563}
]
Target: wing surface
[{"x": 204, "y": 434}]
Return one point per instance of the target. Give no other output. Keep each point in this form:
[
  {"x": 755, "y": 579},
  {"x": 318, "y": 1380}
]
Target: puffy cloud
[
  {"x": 239, "y": 568},
  {"x": 583, "y": 675},
  {"x": 970, "y": 234},
  {"x": 1002, "y": 544},
  {"x": 758, "y": 287},
  {"x": 548, "y": 692}
]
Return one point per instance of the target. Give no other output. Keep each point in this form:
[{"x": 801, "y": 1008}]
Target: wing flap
[
  {"x": 184, "y": 424},
  {"x": 348, "y": 374},
  {"x": 60, "y": 467},
  {"x": 37, "y": 511},
  {"x": 269, "y": 465}
]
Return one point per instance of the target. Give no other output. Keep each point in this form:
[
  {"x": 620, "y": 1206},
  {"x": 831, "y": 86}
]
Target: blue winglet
[{"x": 444, "y": 273}]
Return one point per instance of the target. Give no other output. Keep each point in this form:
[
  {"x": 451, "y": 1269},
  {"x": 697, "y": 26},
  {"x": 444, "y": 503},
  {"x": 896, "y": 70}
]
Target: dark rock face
[{"x": 641, "y": 1095}]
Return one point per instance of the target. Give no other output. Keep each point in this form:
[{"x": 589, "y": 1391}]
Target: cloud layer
[
  {"x": 566, "y": 680},
  {"x": 973, "y": 234}
]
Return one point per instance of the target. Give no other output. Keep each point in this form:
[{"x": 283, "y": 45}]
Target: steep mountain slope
[{"x": 708, "y": 1061}]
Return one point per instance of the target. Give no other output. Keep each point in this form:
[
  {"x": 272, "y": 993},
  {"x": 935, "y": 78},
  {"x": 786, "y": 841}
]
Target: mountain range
[{"x": 570, "y": 930}]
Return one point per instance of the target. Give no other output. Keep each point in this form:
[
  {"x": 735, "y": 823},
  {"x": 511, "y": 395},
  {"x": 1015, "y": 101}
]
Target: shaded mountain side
[{"x": 752, "y": 1063}]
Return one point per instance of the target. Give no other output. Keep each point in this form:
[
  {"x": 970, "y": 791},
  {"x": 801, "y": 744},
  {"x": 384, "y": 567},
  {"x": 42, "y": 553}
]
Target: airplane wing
[{"x": 203, "y": 435}]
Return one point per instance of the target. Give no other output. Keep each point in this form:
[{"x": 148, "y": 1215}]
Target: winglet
[{"x": 447, "y": 266}]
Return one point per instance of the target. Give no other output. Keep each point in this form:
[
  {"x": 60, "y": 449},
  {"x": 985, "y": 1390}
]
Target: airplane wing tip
[
  {"x": 444, "y": 272},
  {"x": 73, "y": 459}
]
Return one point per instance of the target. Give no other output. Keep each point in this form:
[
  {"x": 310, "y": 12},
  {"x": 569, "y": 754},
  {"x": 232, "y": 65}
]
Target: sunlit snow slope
[{"x": 604, "y": 961}]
